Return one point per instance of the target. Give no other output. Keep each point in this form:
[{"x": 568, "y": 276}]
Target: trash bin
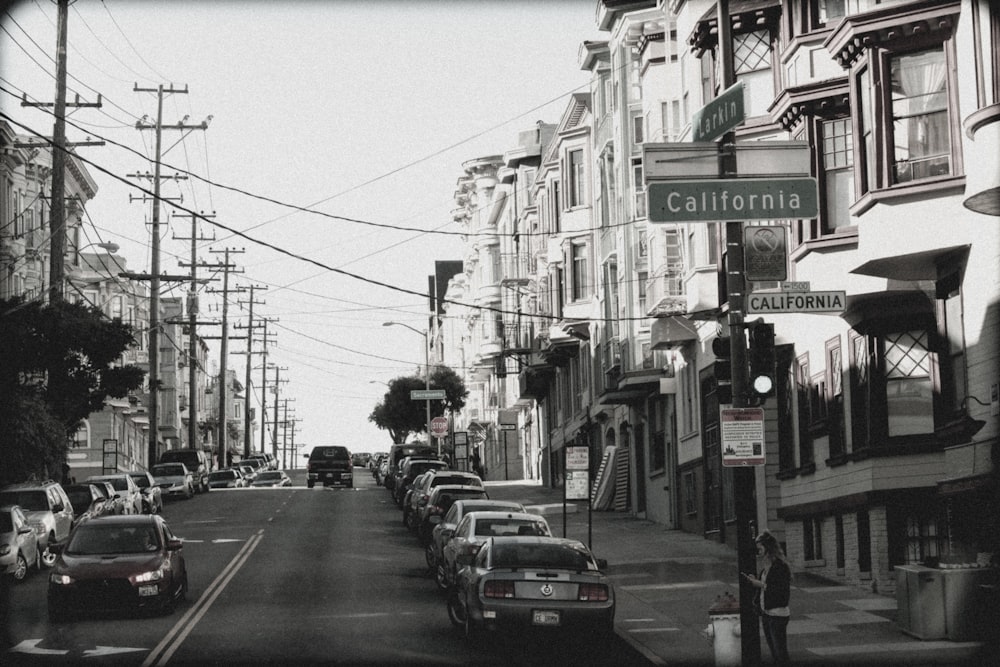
[
  {"x": 920, "y": 601},
  {"x": 724, "y": 630}
]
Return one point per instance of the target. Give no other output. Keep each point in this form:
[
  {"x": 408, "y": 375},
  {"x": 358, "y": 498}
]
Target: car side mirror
[
  {"x": 56, "y": 548},
  {"x": 58, "y": 507},
  {"x": 24, "y": 530},
  {"x": 448, "y": 532},
  {"x": 175, "y": 544},
  {"x": 602, "y": 563}
]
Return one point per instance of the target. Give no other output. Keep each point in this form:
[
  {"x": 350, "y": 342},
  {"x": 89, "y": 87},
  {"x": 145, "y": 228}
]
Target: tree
[
  {"x": 60, "y": 364},
  {"x": 400, "y": 415}
]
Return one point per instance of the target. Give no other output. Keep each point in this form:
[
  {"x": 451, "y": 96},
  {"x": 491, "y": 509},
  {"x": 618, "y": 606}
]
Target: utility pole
[
  {"x": 57, "y": 206},
  {"x": 263, "y": 387},
  {"x": 250, "y": 327},
  {"x": 154, "y": 287},
  {"x": 284, "y": 431},
  {"x": 224, "y": 352},
  {"x": 277, "y": 389},
  {"x": 743, "y": 476},
  {"x": 192, "y": 312}
]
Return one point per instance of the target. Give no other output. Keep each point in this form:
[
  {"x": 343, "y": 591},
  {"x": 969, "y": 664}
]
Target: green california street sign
[
  {"x": 721, "y": 200},
  {"x": 426, "y": 394}
]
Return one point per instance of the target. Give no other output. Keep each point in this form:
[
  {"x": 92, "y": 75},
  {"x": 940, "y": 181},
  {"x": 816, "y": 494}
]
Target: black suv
[{"x": 330, "y": 465}]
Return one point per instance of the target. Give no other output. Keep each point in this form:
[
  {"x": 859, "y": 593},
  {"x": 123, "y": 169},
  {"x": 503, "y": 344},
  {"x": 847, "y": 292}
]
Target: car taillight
[
  {"x": 498, "y": 589},
  {"x": 592, "y": 593}
]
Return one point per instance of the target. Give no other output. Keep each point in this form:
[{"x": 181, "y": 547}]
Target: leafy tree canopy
[
  {"x": 400, "y": 415},
  {"x": 58, "y": 367}
]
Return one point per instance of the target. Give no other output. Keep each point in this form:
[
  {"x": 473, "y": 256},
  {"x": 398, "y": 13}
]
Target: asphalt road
[{"x": 286, "y": 575}]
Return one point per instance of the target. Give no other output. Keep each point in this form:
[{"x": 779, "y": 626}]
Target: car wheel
[
  {"x": 441, "y": 577},
  {"x": 190, "y": 493},
  {"x": 20, "y": 568},
  {"x": 310, "y": 484},
  {"x": 472, "y": 633},
  {"x": 49, "y": 558},
  {"x": 429, "y": 556},
  {"x": 456, "y": 613}
]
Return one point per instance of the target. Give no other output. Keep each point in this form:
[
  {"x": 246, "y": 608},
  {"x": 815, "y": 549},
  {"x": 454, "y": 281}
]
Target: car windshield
[
  {"x": 505, "y": 527},
  {"x": 112, "y": 538},
  {"x": 539, "y": 555},
  {"x": 168, "y": 470},
  {"x": 118, "y": 483},
  {"x": 221, "y": 474},
  {"x": 265, "y": 476},
  {"x": 142, "y": 481},
  {"x": 30, "y": 501},
  {"x": 81, "y": 498},
  {"x": 461, "y": 480}
]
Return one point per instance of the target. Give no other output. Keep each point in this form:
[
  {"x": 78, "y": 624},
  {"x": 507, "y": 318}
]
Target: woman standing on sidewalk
[{"x": 773, "y": 586}]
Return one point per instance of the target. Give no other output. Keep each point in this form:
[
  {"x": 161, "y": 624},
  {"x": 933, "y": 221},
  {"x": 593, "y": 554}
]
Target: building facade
[{"x": 881, "y": 434}]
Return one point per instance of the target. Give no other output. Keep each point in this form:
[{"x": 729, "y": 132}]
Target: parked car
[
  {"x": 118, "y": 564},
  {"x": 272, "y": 478},
  {"x": 248, "y": 471},
  {"x": 399, "y": 452},
  {"x": 440, "y": 501},
  {"x": 174, "y": 480},
  {"x": 48, "y": 510},
  {"x": 152, "y": 496},
  {"x": 88, "y": 502},
  {"x": 195, "y": 460},
  {"x": 112, "y": 499},
  {"x": 330, "y": 465},
  {"x": 445, "y": 529},
  {"x": 125, "y": 487},
  {"x": 413, "y": 508},
  {"x": 409, "y": 470},
  {"x": 18, "y": 544},
  {"x": 476, "y": 528},
  {"x": 518, "y": 584},
  {"x": 226, "y": 479}
]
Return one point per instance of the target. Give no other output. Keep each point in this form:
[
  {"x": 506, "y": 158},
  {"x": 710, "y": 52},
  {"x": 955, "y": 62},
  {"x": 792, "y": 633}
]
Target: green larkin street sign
[
  {"x": 721, "y": 200},
  {"x": 720, "y": 115}
]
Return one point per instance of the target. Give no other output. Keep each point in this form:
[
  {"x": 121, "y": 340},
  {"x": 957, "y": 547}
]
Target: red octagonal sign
[{"x": 439, "y": 427}]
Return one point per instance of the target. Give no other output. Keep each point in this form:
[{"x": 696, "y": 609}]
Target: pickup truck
[{"x": 330, "y": 465}]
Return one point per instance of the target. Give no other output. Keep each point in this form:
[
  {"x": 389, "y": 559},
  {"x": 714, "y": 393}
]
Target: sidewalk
[{"x": 666, "y": 580}]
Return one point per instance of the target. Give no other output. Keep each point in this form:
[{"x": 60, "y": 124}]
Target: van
[{"x": 196, "y": 461}]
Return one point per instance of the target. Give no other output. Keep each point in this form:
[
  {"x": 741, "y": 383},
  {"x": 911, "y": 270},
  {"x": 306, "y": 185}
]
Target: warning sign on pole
[{"x": 742, "y": 436}]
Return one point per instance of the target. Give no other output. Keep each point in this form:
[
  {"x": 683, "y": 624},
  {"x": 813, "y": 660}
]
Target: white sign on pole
[
  {"x": 796, "y": 302},
  {"x": 577, "y": 458},
  {"x": 742, "y": 431},
  {"x": 577, "y": 484}
]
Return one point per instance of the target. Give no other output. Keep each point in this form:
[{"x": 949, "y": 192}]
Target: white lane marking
[
  {"x": 101, "y": 651},
  {"x": 31, "y": 646},
  {"x": 169, "y": 644}
]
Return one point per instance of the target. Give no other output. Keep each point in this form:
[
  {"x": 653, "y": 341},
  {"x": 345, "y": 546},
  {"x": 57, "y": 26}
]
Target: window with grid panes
[
  {"x": 835, "y": 393},
  {"x": 909, "y": 389},
  {"x": 580, "y": 260},
  {"x": 576, "y": 178},
  {"x": 639, "y": 189},
  {"x": 805, "y": 399},
  {"x": 752, "y": 64},
  {"x": 642, "y": 278},
  {"x": 838, "y": 173}
]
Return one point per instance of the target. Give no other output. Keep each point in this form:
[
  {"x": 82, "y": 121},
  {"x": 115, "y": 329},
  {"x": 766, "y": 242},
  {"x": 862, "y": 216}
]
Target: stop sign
[{"x": 439, "y": 427}]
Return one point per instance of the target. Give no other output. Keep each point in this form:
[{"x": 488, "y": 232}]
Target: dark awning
[
  {"x": 926, "y": 265},
  {"x": 865, "y": 310},
  {"x": 667, "y": 332}
]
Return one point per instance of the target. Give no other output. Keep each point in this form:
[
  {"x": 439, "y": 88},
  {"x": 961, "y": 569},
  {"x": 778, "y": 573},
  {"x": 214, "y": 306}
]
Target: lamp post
[{"x": 427, "y": 373}]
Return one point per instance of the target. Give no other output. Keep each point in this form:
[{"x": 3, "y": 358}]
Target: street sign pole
[{"x": 743, "y": 477}]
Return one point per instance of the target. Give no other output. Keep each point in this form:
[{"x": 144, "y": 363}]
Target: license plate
[
  {"x": 148, "y": 591},
  {"x": 544, "y": 617}
]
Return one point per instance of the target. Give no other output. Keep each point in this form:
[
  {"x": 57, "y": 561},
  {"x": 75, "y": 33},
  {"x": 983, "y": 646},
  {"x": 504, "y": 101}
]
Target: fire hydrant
[{"x": 724, "y": 630}]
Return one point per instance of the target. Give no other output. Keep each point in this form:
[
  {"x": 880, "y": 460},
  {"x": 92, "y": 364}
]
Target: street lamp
[{"x": 427, "y": 373}]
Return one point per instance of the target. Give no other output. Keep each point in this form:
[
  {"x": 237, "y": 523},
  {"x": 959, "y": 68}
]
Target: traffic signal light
[
  {"x": 723, "y": 369},
  {"x": 763, "y": 374}
]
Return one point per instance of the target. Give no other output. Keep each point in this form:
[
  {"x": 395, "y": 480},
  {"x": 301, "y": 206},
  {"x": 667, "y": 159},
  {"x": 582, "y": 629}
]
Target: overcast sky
[{"x": 355, "y": 109}]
